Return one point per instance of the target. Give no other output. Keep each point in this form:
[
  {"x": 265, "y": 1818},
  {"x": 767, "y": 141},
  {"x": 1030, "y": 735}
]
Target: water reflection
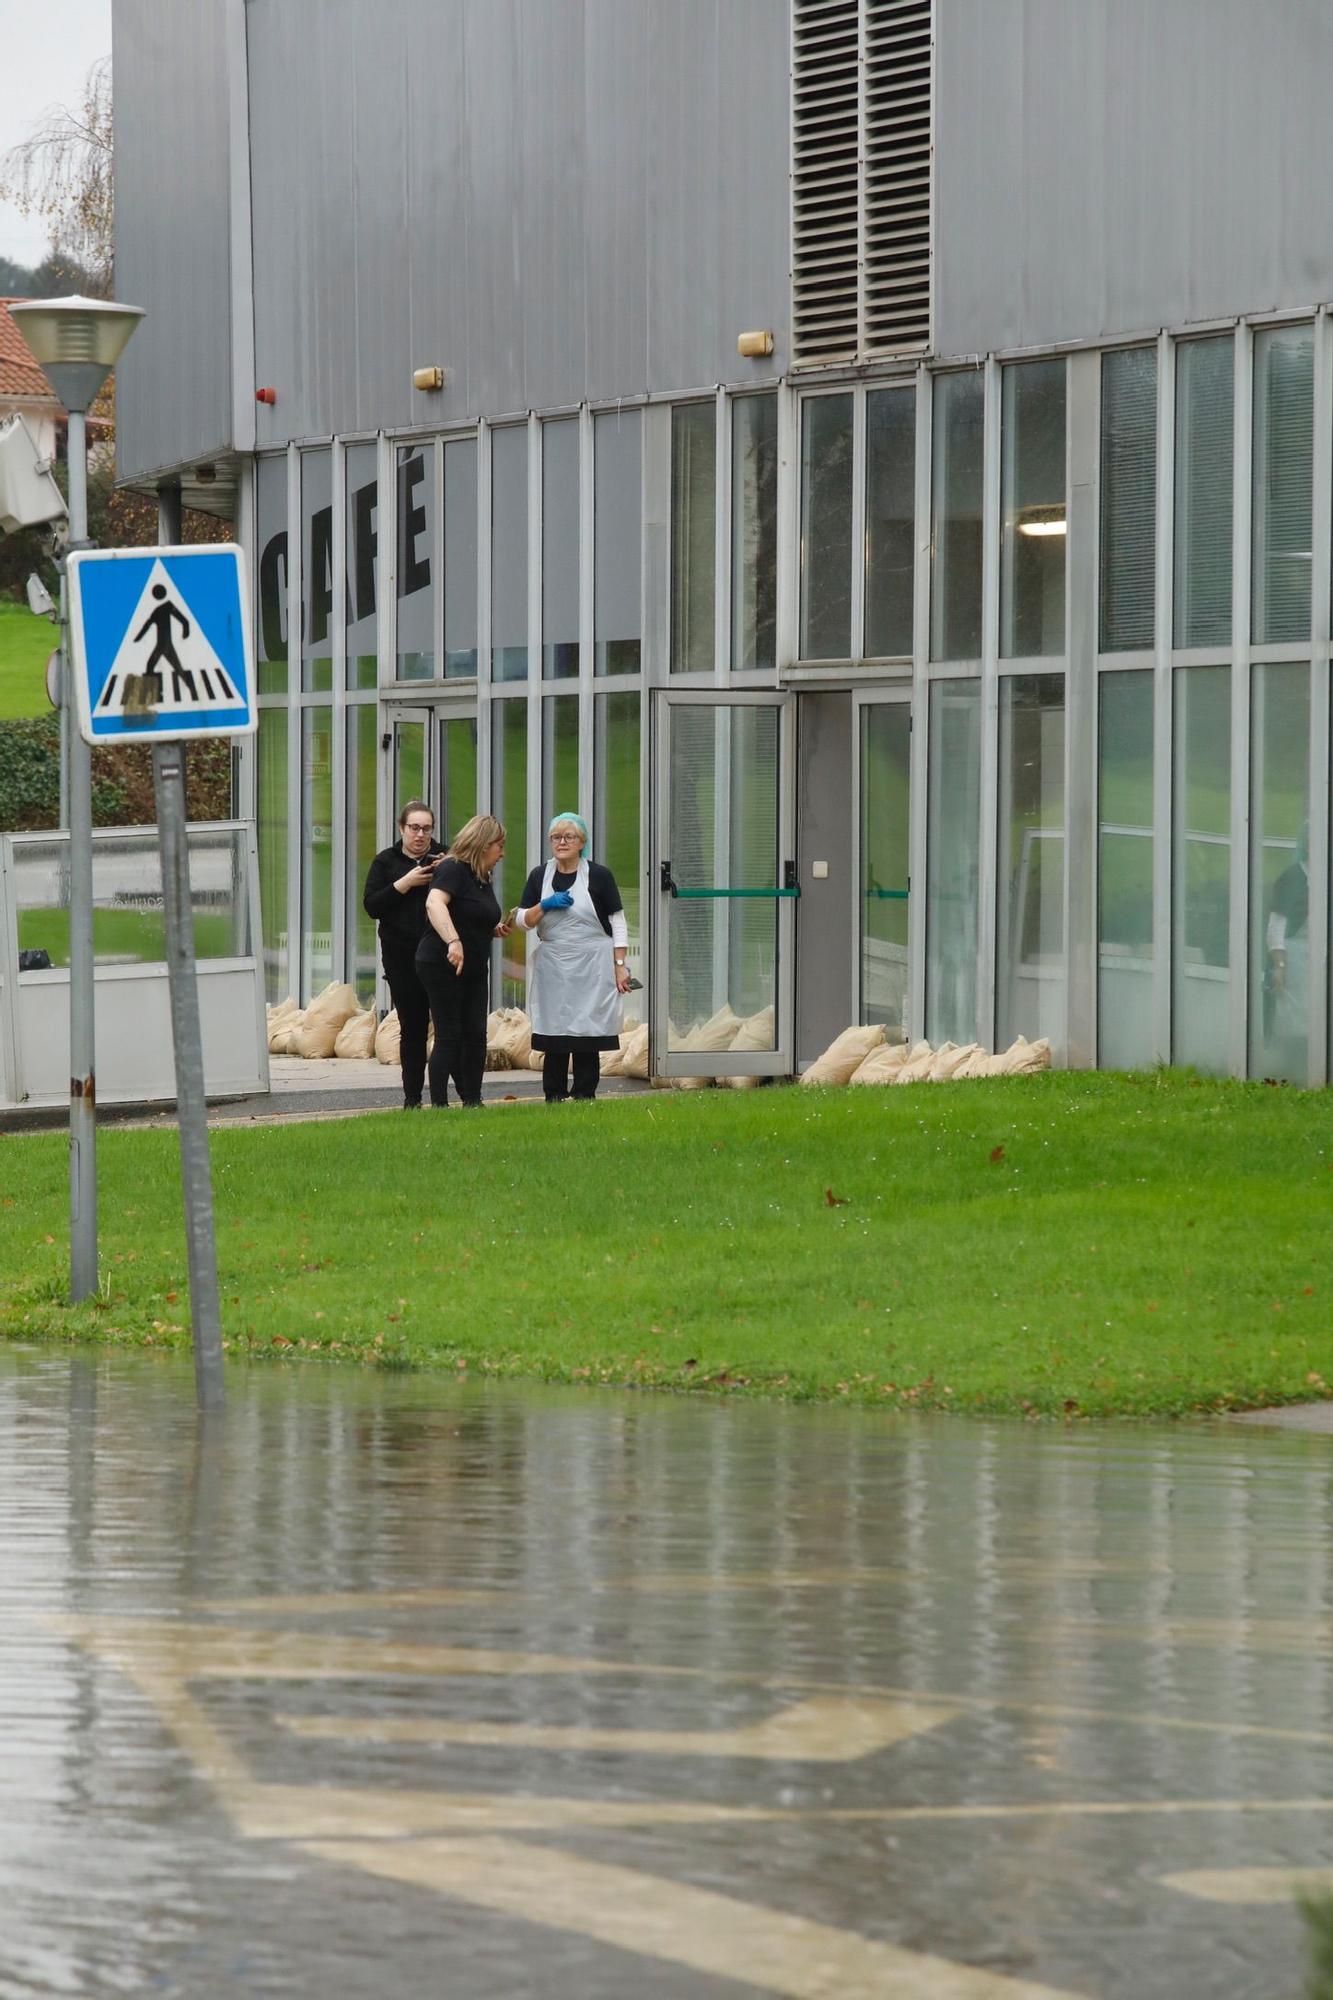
[{"x": 609, "y": 1692}]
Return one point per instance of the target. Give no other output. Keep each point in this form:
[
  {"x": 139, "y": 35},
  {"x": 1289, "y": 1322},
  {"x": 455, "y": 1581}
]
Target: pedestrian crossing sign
[{"x": 160, "y": 643}]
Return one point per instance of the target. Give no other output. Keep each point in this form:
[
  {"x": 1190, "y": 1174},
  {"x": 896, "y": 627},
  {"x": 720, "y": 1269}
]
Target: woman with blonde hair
[{"x": 454, "y": 957}]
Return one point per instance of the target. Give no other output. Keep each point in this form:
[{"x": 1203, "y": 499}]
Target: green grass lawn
[
  {"x": 1077, "y": 1244},
  {"x": 25, "y": 644}
]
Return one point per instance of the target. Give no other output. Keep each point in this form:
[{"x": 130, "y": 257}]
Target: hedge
[{"x": 122, "y": 779}]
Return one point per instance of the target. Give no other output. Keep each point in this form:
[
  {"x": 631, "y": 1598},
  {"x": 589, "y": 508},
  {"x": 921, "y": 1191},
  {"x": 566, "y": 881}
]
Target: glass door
[
  {"x": 884, "y": 821},
  {"x": 410, "y": 774},
  {"x": 726, "y": 882}
]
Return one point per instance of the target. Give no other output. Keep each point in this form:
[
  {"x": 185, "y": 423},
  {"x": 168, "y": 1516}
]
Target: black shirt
[
  {"x": 472, "y": 906},
  {"x": 602, "y": 890},
  {"x": 402, "y": 919}
]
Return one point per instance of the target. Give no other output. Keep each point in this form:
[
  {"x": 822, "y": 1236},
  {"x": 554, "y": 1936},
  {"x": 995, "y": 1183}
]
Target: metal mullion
[
  {"x": 1321, "y": 580},
  {"x": 246, "y": 801},
  {"x": 919, "y": 820},
  {"x": 533, "y": 832},
  {"x": 587, "y": 615},
  {"x": 1081, "y": 942},
  {"x": 485, "y": 784},
  {"x": 1239, "y": 947},
  {"x": 295, "y": 643},
  {"x": 437, "y": 559},
  {"x": 858, "y": 536},
  {"x": 722, "y": 539},
  {"x": 787, "y": 635},
  {"x": 338, "y": 710},
  {"x": 990, "y": 731},
  {"x": 863, "y": 698},
  {"x": 1163, "y": 723}
]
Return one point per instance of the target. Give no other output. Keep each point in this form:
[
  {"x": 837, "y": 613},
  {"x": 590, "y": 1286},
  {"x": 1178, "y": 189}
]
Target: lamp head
[{"x": 75, "y": 341}]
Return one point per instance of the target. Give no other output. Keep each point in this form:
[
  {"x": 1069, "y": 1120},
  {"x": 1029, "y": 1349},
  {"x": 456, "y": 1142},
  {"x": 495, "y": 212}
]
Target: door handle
[
  {"x": 668, "y": 886},
  {"x": 789, "y": 875}
]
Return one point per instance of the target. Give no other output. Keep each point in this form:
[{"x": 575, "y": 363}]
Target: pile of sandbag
[
  {"x": 863, "y": 1056},
  {"x": 508, "y": 1039},
  {"x": 720, "y": 1034}
]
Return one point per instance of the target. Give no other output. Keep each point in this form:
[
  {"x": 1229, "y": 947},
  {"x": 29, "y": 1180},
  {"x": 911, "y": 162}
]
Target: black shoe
[{"x": 411, "y": 1104}]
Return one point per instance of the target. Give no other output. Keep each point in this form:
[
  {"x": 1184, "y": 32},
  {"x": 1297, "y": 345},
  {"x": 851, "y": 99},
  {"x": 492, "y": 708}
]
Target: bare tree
[{"x": 62, "y": 172}]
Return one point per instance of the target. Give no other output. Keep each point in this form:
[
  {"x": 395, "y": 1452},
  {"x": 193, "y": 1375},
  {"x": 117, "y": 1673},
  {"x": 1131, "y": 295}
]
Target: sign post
[{"x": 161, "y": 653}]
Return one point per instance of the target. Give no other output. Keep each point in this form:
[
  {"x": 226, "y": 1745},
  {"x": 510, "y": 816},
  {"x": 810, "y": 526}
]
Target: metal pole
[
  {"x": 82, "y": 1045},
  {"x": 191, "y": 1114}
]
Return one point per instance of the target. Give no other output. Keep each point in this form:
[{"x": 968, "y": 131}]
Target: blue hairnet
[{"x": 571, "y": 819}]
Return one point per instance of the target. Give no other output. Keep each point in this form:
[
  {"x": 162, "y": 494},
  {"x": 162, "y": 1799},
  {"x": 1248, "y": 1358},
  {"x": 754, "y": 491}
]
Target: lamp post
[{"x": 76, "y": 343}]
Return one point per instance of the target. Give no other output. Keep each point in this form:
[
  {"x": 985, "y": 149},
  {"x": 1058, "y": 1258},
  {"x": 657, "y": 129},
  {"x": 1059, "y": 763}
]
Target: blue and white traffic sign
[{"x": 160, "y": 643}]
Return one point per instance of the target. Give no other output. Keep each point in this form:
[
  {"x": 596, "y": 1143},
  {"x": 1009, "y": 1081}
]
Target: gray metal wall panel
[
  {"x": 173, "y": 386},
  {"x": 1117, "y": 165},
  {"x": 583, "y": 199}
]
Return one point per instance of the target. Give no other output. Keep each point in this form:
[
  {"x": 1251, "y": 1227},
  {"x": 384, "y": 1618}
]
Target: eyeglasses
[
  {"x": 418, "y": 828},
  {"x": 564, "y": 838}
]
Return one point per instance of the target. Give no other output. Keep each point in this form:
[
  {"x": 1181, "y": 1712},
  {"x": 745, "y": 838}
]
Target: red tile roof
[{"x": 19, "y": 374}]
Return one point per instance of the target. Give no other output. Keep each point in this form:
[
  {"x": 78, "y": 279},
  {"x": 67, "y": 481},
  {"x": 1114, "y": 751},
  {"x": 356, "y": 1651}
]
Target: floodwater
[{"x": 388, "y": 1685}]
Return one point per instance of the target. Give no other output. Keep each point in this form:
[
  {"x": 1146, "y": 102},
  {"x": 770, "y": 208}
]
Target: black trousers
[
  {"x": 409, "y": 997},
  {"x": 458, "y": 1007},
  {"x": 555, "y": 1071}
]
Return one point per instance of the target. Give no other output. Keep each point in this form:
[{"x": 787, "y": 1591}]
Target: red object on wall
[{"x": 266, "y": 395}]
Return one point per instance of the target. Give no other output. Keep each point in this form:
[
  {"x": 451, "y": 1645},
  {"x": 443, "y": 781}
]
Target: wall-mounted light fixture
[
  {"x": 428, "y": 378},
  {"x": 754, "y": 346}
]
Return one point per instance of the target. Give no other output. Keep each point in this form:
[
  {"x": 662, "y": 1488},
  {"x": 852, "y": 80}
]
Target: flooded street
[{"x": 385, "y": 1684}]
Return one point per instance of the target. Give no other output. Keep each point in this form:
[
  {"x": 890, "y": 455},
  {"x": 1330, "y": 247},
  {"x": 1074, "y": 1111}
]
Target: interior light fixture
[{"x": 1055, "y": 525}]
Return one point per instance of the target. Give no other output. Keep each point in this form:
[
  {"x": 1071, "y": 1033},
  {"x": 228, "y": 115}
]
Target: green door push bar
[{"x": 788, "y": 888}]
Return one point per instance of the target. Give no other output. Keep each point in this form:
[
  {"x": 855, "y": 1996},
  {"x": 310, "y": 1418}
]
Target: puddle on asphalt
[{"x": 390, "y": 1683}]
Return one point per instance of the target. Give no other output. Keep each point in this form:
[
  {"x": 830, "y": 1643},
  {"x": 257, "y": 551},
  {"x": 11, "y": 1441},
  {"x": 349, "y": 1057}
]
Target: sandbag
[
  {"x": 755, "y": 1032},
  {"x": 918, "y": 1065},
  {"x": 709, "y": 1037},
  {"x": 279, "y": 1020},
  {"x": 389, "y": 1039},
  {"x": 843, "y": 1057},
  {"x": 882, "y": 1064},
  {"x": 634, "y": 1054},
  {"x": 315, "y": 1038},
  {"x": 609, "y": 1063},
  {"x": 974, "y": 1066},
  {"x": 510, "y": 1031},
  {"x": 280, "y": 1037},
  {"x": 536, "y": 1058},
  {"x": 1024, "y": 1058},
  {"x": 949, "y": 1059},
  {"x": 356, "y": 1037}
]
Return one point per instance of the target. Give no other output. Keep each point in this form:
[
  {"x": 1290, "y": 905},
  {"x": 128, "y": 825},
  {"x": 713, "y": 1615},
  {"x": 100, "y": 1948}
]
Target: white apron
[{"x": 571, "y": 970}]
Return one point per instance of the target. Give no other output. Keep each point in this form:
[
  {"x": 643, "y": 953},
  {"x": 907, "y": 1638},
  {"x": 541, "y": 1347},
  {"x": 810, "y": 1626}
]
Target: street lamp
[{"x": 76, "y": 343}]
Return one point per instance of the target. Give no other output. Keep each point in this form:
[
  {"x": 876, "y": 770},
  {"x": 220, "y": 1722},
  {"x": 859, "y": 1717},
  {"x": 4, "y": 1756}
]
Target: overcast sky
[{"x": 49, "y": 47}]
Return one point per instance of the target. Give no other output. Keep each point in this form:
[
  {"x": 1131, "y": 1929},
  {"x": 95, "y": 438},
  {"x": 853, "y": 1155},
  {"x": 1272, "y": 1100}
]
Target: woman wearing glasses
[
  {"x": 454, "y": 956},
  {"x": 576, "y": 970},
  {"x": 395, "y": 896}
]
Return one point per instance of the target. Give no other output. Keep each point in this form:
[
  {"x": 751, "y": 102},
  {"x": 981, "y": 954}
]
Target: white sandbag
[
  {"x": 536, "y": 1059},
  {"x": 279, "y": 1020},
  {"x": 389, "y": 1039},
  {"x": 755, "y": 1032},
  {"x": 510, "y": 1031},
  {"x": 356, "y": 1037},
  {"x": 634, "y": 1054},
  {"x": 609, "y": 1062},
  {"x": 949, "y": 1059},
  {"x": 690, "y": 1082},
  {"x": 843, "y": 1057},
  {"x": 918, "y": 1065},
  {"x": 974, "y": 1066},
  {"x": 710, "y": 1037},
  {"x": 324, "y": 1016},
  {"x": 1024, "y": 1058},
  {"x": 882, "y": 1064},
  {"x": 280, "y": 1038}
]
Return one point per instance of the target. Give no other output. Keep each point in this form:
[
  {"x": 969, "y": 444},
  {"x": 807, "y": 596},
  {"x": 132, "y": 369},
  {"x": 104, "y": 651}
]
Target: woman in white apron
[{"x": 576, "y": 963}]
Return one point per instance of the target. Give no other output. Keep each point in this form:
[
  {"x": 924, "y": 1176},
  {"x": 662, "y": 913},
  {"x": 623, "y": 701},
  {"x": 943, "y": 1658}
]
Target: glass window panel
[
  {"x": 416, "y": 563},
  {"x": 693, "y": 536},
  {"x": 560, "y": 549},
  {"x": 271, "y": 596},
  {"x": 560, "y": 755},
  {"x": 953, "y": 860},
  {"x": 723, "y": 831},
  {"x": 129, "y": 926},
  {"x": 886, "y": 743},
  {"x": 1033, "y": 516},
  {"x": 362, "y": 535},
  {"x": 890, "y": 516},
  {"x": 509, "y": 553},
  {"x": 460, "y": 559},
  {"x": 362, "y": 845},
  {"x": 826, "y": 528},
  {"x": 754, "y": 532},
  {"x": 509, "y": 794},
  {"x": 1201, "y": 867},
  {"x": 1280, "y": 872},
  {"x": 316, "y": 847},
  {"x": 957, "y": 451},
  {"x": 317, "y": 570},
  {"x": 272, "y": 819},
  {"x": 617, "y": 441},
  {"x": 616, "y": 825},
  {"x": 1128, "y": 499},
  {"x": 409, "y": 762},
  {"x": 458, "y": 774},
  {"x": 1205, "y": 426},
  {"x": 1125, "y": 872},
  {"x": 1283, "y": 474},
  {"x": 1030, "y": 934}
]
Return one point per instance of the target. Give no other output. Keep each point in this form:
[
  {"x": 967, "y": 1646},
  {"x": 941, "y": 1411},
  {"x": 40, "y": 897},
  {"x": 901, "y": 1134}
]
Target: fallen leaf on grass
[
  {"x": 996, "y": 1155},
  {"x": 832, "y": 1200}
]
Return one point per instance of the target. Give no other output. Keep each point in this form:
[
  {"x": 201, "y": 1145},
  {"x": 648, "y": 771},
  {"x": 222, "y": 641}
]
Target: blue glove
[{"x": 560, "y": 899}]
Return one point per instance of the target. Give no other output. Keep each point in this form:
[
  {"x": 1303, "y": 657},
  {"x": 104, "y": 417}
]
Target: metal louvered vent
[{"x": 861, "y": 178}]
